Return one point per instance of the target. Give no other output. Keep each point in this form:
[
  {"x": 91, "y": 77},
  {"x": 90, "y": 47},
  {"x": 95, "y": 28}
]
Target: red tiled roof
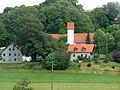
[
  {"x": 57, "y": 36},
  {"x": 81, "y": 37},
  {"x": 78, "y": 37},
  {"x": 70, "y": 25},
  {"x": 81, "y": 48}
]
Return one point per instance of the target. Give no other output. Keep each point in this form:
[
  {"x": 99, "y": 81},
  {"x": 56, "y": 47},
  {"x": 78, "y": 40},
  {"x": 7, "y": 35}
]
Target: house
[
  {"x": 80, "y": 51},
  {"x": 11, "y": 54},
  {"x": 77, "y": 43}
]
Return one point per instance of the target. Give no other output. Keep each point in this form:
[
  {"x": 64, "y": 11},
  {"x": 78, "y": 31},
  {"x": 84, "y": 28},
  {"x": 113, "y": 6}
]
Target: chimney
[{"x": 70, "y": 33}]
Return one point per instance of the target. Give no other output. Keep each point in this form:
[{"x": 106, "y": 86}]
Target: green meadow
[{"x": 63, "y": 80}]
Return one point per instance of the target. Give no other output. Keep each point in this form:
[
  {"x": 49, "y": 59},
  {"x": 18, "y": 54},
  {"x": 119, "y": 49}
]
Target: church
[{"x": 78, "y": 47}]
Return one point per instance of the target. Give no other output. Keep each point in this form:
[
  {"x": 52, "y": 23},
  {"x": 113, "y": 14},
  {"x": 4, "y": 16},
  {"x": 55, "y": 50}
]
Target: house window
[
  {"x": 81, "y": 55},
  {"x": 18, "y": 54},
  {"x": 3, "y": 54},
  {"x": 9, "y": 49},
  {"x": 9, "y": 54},
  {"x": 13, "y": 49},
  {"x": 9, "y": 60},
  {"x": 4, "y": 60},
  {"x": 14, "y": 54},
  {"x": 85, "y": 56},
  {"x": 73, "y": 55},
  {"x": 15, "y": 59}
]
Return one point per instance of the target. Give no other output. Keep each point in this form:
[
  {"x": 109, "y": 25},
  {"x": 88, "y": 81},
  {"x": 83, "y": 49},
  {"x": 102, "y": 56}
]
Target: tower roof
[{"x": 70, "y": 25}]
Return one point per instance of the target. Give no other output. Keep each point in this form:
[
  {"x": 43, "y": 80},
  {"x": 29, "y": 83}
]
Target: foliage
[
  {"x": 22, "y": 85},
  {"x": 60, "y": 57},
  {"x": 112, "y": 10},
  {"x": 116, "y": 34},
  {"x": 100, "y": 41},
  {"x": 99, "y": 18},
  {"x": 96, "y": 58},
  {"x": 55, "y": 16},
  {"x": 60, "y": 60},
  {"x": 25, "y": 29},
  {"x": 116, "y": 55},
  {"x": 108, "y": 58},
  {"x": 106, "y": 15}
]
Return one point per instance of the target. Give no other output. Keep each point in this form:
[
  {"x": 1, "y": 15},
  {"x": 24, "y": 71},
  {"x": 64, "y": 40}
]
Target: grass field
[{"x": 63, "y": 80}]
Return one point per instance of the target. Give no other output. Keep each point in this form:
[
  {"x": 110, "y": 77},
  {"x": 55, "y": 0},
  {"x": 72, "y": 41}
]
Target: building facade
[{"x": 11, "y": 54}]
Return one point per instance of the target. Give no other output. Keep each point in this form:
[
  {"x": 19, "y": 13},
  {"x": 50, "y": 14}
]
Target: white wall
[
  {"x": 11, "y": 55},
  {"x": 70, "y": 36},
  {"x": 74, "y": 56}
]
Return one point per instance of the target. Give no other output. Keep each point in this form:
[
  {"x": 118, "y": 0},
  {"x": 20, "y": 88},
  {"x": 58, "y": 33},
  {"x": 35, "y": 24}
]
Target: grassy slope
[
  {"x": 63, "y": 80},
  {"x": 59, "y": 77}
]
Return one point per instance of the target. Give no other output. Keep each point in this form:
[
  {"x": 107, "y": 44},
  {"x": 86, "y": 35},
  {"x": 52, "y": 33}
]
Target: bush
[
  {"x": 96, "y": 58},
  {"x": 22, "y": 85},
  {"x": 108, "y": 58},
  {"x": 60, "y": 61},
  {"x": 116, "y": 56}
]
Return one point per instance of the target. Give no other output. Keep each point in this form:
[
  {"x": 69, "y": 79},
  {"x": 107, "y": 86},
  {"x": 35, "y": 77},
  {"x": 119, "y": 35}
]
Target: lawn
[{"x": 63, "y": 80}]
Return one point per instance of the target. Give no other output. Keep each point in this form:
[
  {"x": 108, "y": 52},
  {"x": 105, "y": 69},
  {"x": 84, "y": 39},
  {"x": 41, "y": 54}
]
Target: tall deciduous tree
[
  {"x": 25, "y": 29},
  {"x": 112, "y": 11},
  {"x": 55, "y": 17},
  {"x": 101, "y": 42},
  {"x": 3, "y": 34}
]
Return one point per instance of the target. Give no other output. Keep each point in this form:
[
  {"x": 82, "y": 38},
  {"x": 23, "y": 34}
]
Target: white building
[
  {"x": 11, "y": 54},
  {"x": 78, "y": 50},
  {"x": 77, "y": 43},
  {"x": 81, "y": 51}
]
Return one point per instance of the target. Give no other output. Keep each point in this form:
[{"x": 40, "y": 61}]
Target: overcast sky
[{"x": 87, "y": 4}]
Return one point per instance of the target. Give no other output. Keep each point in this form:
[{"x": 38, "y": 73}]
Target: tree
[
  {"x": 26, "y": 30},
  {"x": 116, "y": 35},
  {"x": 112, "y": 11},
  {"x": 3, "y": 34},
  {"x": 99, "y": 18},
  {"x": 110, "y": 42},
  {"x": 112, "y": 28},
  {"x": 55, "y": 17},
  {"x": 60, "y": 61},
  {"x": 7, "y": 9},
  {"x": 59, "y": 57},
  {"x": 101, "y": 42},
  {"x": 116, "y": 55}
]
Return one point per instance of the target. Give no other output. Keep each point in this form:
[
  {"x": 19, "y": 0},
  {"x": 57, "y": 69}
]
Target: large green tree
[
  {"x": 101, "y": 42},
  {"x": 4, "y": 36},
  {"x": 25, "y": 29},
  {"x": 56, "y": 15},
  {"x": 112, "y": 10}
]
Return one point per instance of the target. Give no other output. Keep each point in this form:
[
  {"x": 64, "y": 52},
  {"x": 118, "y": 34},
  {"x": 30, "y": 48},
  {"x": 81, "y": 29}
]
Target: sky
[{"x": 87, "y": 4}]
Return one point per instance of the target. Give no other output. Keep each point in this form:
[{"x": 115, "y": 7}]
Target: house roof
[
  {"x": 57, "y": 36},
  {"x": 78, "y": 37},
  {"x": 88, "y": 48}
]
